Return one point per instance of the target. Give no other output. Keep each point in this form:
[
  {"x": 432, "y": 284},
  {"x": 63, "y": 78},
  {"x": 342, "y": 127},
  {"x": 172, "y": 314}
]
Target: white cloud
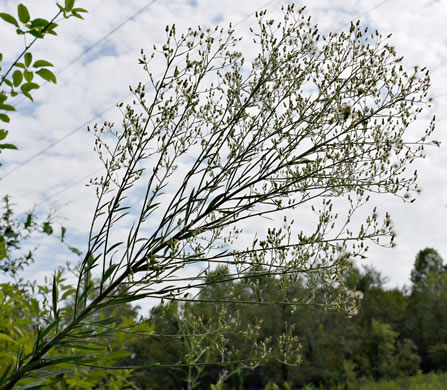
[{"x": 101, "y": 78}]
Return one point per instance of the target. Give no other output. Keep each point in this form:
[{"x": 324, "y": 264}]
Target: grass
[{"x": 431, "y": 381}]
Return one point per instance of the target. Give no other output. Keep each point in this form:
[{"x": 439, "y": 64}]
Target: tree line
[
  {"x": 396, "y": 333},
  {"x": 314, "y": 122}
]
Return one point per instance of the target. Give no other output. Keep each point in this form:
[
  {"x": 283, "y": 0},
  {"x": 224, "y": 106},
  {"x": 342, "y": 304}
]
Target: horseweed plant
[{"x": 213, "y": 146}]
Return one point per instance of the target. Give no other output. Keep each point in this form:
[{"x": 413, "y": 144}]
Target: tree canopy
[{"x": 314, "y": 122}]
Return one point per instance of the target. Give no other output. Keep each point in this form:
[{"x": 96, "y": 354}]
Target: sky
[{"x": 97, "y": 59}]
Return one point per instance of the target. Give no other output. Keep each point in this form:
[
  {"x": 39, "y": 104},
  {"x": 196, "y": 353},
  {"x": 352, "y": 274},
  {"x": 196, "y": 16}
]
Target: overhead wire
[
  {"x": 114, "y": 105},
  {"x": 110, "y": 107},
  {"x": 66, "y": 188},
  {"x": 80, "y": 127},
  {"x": 99, "y": 41},
  {"x": 368, "y": 11},
  {"x": 69, "y": 134}
]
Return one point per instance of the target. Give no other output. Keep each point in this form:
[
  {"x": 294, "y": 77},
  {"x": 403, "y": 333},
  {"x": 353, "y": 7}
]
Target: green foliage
[
  {"x": 426, "y": 312},
  {"x": 334, "y": 351},
  {"x": 21, "y": 314},
  {"x": 18, "y": 315},
  {"x": 438, "y": 356},
  {"x": 14, "y": 234},
  {"x": 407, "y": 361},
  {"x": 9, "y": 19},
  {"x": 47, "y": 75},
  {"x": 250, "y": 145},
  {"x": 207, "y": 344},
  {"x": 381, "y": 349},
  {"x": 38, "y": 28},
  {"x": 427, "y": 261},
  {"x": 13, "y": 231},
  {"x": 430, "y": 381},
  {"x": 23, "y": 13}
]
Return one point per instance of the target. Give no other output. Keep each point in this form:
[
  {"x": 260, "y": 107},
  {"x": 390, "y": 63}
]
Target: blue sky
[{"x": 101, "y": 76}]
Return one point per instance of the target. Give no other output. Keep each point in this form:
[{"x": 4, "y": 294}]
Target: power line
[
  {"x": 67, "y": 135},
  {"x": 109, "y": 108},
  {"x": 69, "y": 186},
  {"x": 368, "y": 11},
  {"x": 251, "y": 15},
  {"x": 98, "y": 42},
  {"x": 85, "y": 124},
  {"x": 85, "y": 52},
  {"x": 26, "y": 162}
]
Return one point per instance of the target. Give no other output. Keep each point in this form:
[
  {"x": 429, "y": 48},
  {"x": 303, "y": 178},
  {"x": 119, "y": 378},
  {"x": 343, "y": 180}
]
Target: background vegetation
[
  {"x": 287, "y": 310},
  {"x": 397, "y": 333}
]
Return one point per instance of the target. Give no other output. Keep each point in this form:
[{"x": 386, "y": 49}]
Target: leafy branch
[{"x": 215, "y": 147}]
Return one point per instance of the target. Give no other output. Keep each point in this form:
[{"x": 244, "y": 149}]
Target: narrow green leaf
[
  {"x": 3, "y": 249},
  {"x": 84, "y": 347},
  {"x": 39, "y": 22},
  {"x": 29, "y": 220},
  {"x": 3, "y": 134},
  {"x": 114, "y": 246},
  {"x": 28, "y": 59},
  {"x": 19, "y": 31},
  {"x": 17, "y": 78},
  {"x": 77, "y": 10},
  {"x": 105, "y": 322},
  {"x": 76, "y": 251},
  {"x": 120, "y": 300},
  {"x": 28, "y": 75},
  {"x": 6, "y": 372},
  {"x": 9, "y": 18},
  {"x": 66, "y": 359},
  {"x": 36, "y": 34},
  {"x": 28, "y": 95},
  {"x": 7, "y": 82},
  {"x": 62, "y": 9},
  {"x": 5, "y": 337},
  {"x": 47, "y": 228},
  {"x": 20, "y": 65},
  {"x": 214, "y": 202},
  {"x": 38, "y": 384},
  {"x": 7, "y": 107},
  {"x": 68, "y": 293},
  {"x": 4, "y": 118},
  {"x": 85, "y": 292},
  {"x": 47, "y": 329},
  {"x": 41, "y": 63},
  {"x": 29, "y": 86},
  {"x": 69, "y": 5},
  {"x": 118, "y": 354},
  {"x": 54, "y": 296},
  {"x": 63, "y": 231},
  {"x": 3, "y": 97},
  {"x": 52, "y": 373},
  {"x": 76, "y": 340},
  {"x": 1, "y": 56},
  {"x": 44, "y": 289},
  {"x": 23, "y": 13},
  {"x": 50, "y": 29},
  {"x": 47, "y": 75},
  {"x": 109, "y": 272}
]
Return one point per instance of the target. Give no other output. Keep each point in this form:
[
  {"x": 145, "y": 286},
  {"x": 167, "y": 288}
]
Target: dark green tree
[
  {"x": 427, "y": 261},
  {"x": 313, "y": 119},
  {"x": 426, "y": 313}
]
